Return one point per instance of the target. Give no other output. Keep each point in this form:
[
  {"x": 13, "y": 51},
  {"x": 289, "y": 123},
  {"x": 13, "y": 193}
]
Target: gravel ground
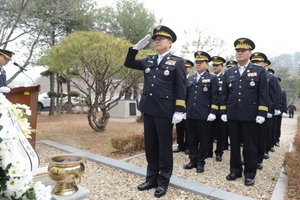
[{"x": 109, "y": 183}]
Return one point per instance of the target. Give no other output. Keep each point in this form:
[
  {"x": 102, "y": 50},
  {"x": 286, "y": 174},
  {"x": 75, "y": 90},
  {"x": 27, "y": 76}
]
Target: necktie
[
  {"x": 198, "y": 77},
  {"x": 160, "y": 57},
  {"x": 241, "y": 69}
]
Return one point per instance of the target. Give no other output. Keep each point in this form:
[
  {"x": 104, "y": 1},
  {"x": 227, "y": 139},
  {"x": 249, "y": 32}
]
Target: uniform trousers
[
  {"x": 262, "y": 139},
  {"x": 278, "y": 128},
  {"x": 246, "y": 131},
  {"x": 269, "y": 138},
  {"x": 218, "y": 127},
  {"x": 182, "y": 135},
  {"x": 199, "y": 134},
  {"x": 158, "y": 149}
]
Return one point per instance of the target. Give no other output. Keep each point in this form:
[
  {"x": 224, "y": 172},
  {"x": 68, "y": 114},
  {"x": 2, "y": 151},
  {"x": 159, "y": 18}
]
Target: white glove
[
  {"x": 269, "y": 115},
  {"x": 4, "y": 89},
  {"x": 284, "y": 115},
  {"x": 211, "y": 117},
  {"x": 177, "y": 117},
  {"x": 277, "y": 112},
  {"x": 224, "y": 118},
  {"x": 260, "y": 119},
  {"x": 184, "y": 116},
  {"x": 142, "y": 43}
]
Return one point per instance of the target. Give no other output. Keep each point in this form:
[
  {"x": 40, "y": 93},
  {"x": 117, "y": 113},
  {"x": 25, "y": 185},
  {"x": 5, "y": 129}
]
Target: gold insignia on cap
[
  {"x": 242, "y": 40},
  {"x": 158, "y": 28}
]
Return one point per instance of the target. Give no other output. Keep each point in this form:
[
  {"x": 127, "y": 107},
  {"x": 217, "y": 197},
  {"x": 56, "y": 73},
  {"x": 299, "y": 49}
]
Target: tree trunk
[
  {"x": 98, "y": 124},
  {"x": 52, "y": 99}
]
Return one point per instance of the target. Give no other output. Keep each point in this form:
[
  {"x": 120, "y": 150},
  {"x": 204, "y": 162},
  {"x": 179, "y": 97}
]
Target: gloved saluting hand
[
  {"x": 177, "y": 117},
  {"x": 142, "y": 43},
  {"x": 4, "y": 89}
]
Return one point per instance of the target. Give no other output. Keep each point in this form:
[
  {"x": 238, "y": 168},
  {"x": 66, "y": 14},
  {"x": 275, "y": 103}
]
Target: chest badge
[
  {"x": 205, "y": 89},
  {"x": 166, "y": 72},
  {"x": 252, "y": 83}
]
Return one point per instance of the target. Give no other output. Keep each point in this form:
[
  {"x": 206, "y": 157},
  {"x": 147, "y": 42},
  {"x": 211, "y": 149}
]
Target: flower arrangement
[{"x": 16, "y": 179}]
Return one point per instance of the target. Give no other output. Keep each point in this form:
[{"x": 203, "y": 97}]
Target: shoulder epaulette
[{"x": 176, "y": 55}]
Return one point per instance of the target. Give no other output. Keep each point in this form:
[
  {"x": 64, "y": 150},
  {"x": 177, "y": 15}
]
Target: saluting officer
[
  {"x": 163, "y": 103},
  {"x": 218, "y": 126},
  {"x": 244, "y": 103},
  {"x": 181, "y": 129},
  {"x": 264, "y": 129},
  {"x": 201, "y": 110},
  {"x": 5, "y": 57}
]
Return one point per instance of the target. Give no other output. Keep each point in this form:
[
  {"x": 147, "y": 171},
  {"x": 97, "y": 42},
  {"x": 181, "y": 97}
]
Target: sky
[{"x": 272, "y": 25}]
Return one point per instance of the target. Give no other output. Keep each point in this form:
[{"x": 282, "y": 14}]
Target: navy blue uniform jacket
[
  {"x": 202, "y": 96},
  {"x": 245, "y": 97},
  {"x": 164, "y": 89}
]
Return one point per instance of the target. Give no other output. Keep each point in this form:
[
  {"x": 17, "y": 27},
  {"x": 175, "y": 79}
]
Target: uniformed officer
[
  {"x": 218, "y": 126},
  {"x": 181, "y": 129},
  {"x": 231, "y": 63},
  {"x": 283, "y": 110},
  {"x": 272, "y": 129},
  {"x": 162, "y": 102},
  {"x": 5, "y": 57},
  {"x": 265, "y": 129},
  {"x": 244, "y": 104},
  {"x": 202, "y": 106}
]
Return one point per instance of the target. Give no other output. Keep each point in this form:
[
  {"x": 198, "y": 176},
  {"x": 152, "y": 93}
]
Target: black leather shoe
[
  {"x": 187, "y": 152},
  {"x": 160, "y": 191},
  {"x": 266, "y": 156},
  {"x": 200, "y": 169},
  {"x": 233, "y": 176},
  {"x": 178, "y": 150},
  {"x": 191, "y": 165},
  {"x": 272, "y": 149},
  {"x": 146, "y": 186},
  {"x": 249, "y": 182},
  {"x": 260, "y": 166},
  {"x": 219, "y": 158},
  {"x": 277, "y": 144}
]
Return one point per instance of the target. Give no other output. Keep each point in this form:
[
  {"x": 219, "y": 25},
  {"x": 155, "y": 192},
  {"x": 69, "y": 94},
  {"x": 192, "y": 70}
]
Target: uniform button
[
  {"x": 154, "y": 76},
  {"x": 152, "y": 85},
  {"x": 239, "y": 93},
  {"x": 150, "y": 94},
  {"x": 195, "y": 97},
  {"x": 196, "y": 85},
  {"x": 194, "y": 103},
  {"x": 240, "y": 86},
  {"x": 156, "y": 68},
  {"x": 239, "y": 99},
  {"x": 195, "y": 91},
  {"x": 240, "y": 80},
  {"x": 167, "y": 96}
]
